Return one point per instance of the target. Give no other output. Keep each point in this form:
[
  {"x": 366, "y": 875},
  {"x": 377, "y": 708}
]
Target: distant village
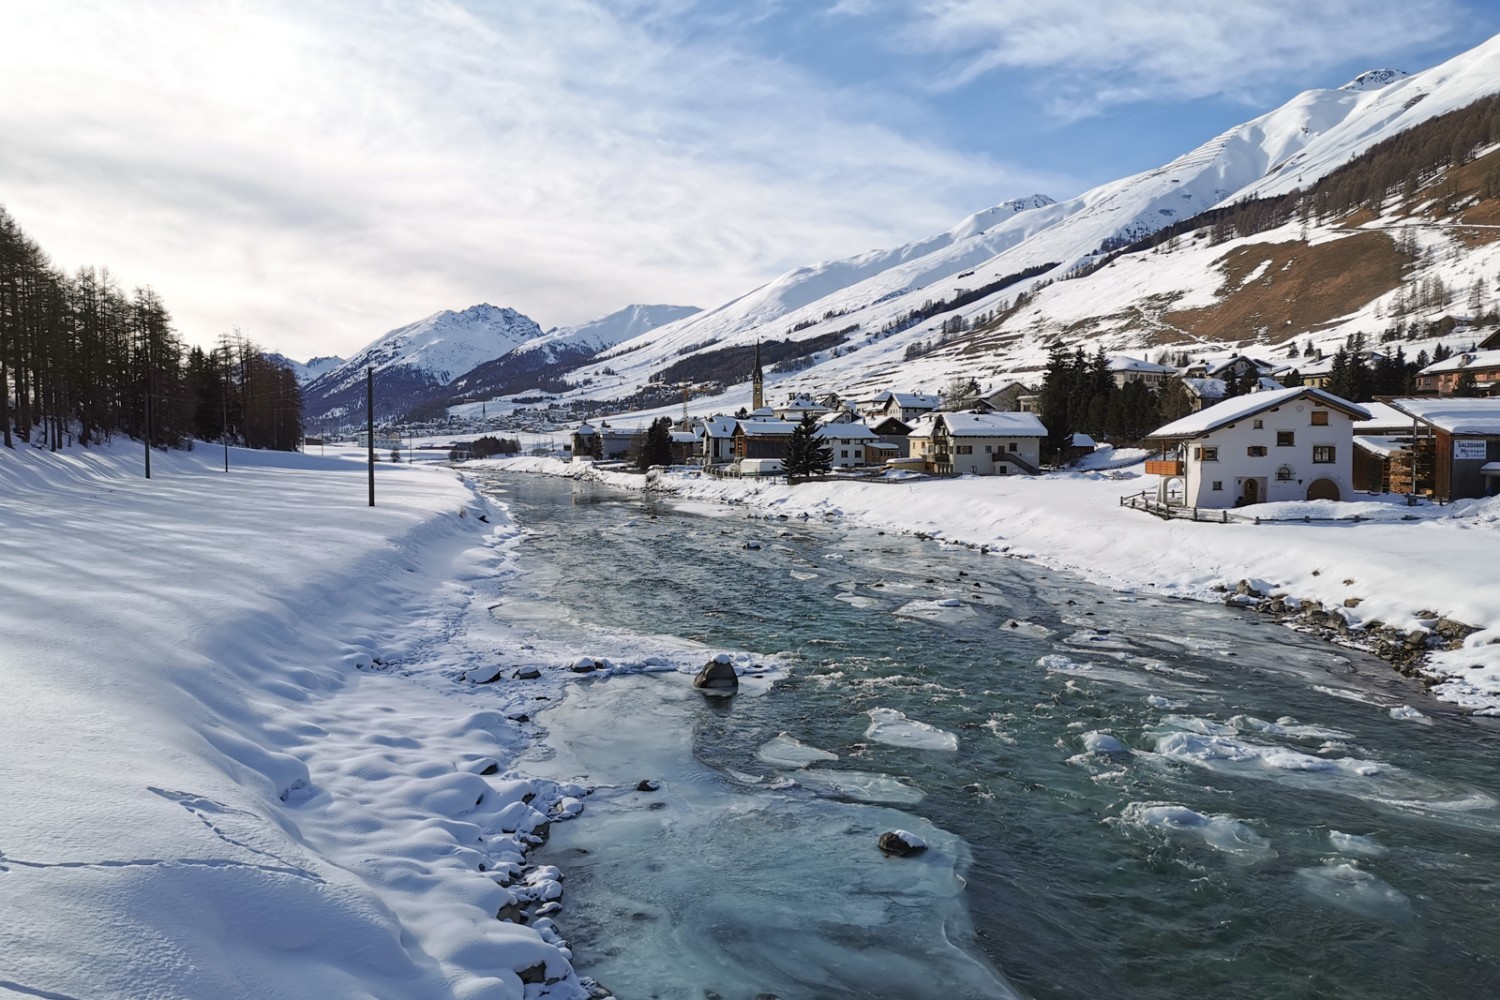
[{"x": 1255, "y": 432}]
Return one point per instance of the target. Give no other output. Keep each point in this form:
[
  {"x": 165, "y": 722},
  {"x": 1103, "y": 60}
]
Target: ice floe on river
[{"x": 893, "y": 728}]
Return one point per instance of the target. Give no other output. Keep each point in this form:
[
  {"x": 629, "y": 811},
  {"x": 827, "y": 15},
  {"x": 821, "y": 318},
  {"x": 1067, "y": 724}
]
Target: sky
[{"x": 317, "y": 172}]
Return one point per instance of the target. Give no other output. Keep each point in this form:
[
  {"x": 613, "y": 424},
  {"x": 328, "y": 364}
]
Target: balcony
[{"x": 1164, "y": 467}]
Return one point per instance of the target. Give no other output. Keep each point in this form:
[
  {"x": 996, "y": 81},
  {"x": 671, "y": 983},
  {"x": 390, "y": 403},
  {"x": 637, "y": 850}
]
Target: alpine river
[{"x": 1123, "y": 796}]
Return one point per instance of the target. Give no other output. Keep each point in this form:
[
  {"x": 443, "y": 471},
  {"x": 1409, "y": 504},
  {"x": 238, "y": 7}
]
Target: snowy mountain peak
[
  {"x": 607, "y": 331},
  {"x": 412, "y": 361},
  {"x": 1374, "y": 79},
  {"x": 981, "y": 221},
  {"x": 305, "y": 373}
]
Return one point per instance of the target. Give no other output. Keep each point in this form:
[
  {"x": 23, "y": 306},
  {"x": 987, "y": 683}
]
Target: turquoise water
[{"x": 1148, "y": 798}]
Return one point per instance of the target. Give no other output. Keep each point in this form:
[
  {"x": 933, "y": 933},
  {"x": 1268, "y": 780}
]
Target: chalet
[
  {"x": 894, "y": 432},
  {"x": 1204, "y": 392},
  {"x": 1443, "y": 377},
  {"x": 614, "y": 443},
  {"x": 904, "y": 406},
  {"x": 1284, "y": 444},
  {"x": 1124, "y": 370},
  {"x": 984, "y": 444},
  {"x": 798, "y": 406},
  {"x": 717, "y": 440},
  {"x": 1454, "y": 450},
  {"x": 1007, "y": 398},
  {"x": 762, "y": 439},
  {"x": 684, "y": 447},
  {"x": 849, "y": 444}
]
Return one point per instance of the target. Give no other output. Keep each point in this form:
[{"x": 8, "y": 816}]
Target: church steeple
[{"x": 757, "y": 382}]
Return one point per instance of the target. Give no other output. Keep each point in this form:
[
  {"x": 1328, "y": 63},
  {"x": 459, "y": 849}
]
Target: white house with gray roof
[
  {"x": 984, "y": 444},
  {"x": 1284, "y": 444}
]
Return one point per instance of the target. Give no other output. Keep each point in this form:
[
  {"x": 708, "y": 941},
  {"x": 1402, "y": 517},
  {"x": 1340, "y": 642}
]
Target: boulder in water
[
  {"x": 718, "y": 676},
  {"x": 901, "y": 843}
]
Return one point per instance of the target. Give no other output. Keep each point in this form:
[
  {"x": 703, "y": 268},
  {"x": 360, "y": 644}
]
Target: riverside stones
[{"x": 718, "y": 676}]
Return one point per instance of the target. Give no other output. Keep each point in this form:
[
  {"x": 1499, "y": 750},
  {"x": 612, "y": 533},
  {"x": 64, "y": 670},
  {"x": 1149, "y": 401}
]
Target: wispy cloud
[
  {"x": 317, "y": 172},
  {"x": 1095, "y": 55}
]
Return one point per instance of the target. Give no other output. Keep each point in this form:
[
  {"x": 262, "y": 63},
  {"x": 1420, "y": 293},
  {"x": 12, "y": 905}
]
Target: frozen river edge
[{"x": 1415, "y": 590}]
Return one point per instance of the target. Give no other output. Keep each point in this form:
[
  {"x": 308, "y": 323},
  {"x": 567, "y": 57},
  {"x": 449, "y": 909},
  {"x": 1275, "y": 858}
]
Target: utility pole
[
  {"x": 370, "y": 425},
  {"x": 224, "y": 423},
  {"x": 147, "y": 352}
]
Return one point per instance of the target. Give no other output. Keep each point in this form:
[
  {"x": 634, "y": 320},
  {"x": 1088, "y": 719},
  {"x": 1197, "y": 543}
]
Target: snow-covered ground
[
  {"x": 1402, "y": 566},
  {"x": 244, "y": 752}
]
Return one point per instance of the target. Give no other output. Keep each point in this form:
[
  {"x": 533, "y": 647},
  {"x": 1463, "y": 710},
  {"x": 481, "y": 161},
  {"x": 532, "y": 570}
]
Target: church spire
[{"x": 757, "y": 381}]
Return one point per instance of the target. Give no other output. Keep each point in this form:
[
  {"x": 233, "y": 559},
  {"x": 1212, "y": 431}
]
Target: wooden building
[{"x": 1454, "y": 449}]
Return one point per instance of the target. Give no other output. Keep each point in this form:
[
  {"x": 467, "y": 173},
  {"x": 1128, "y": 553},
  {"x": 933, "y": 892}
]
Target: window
[
  {"x": 1322, "y": 454},
  {"x": 1260, "y": 424},
  {"x": 988, "y": 449},
  {"x": 1206, "y": 454},
  {"x": 965, "y": 449},
  {"x": 843, "y": 453},
  {"x": 1256, "y": 451},
  {"x": 1320, "y": 418},
  {"x": 1218, "y": 485},
  {"x": 1284, "y": 474},
  {"x": 1286, "y": 439},
  {"x": 1013, "y": 446}
]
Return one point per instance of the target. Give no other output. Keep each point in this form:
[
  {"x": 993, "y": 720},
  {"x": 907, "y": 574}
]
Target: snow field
[{"x": 236, "y": 763}]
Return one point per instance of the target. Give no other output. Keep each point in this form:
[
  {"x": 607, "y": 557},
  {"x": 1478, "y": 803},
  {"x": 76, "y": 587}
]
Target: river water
[{"x": 1123, "y": 796}]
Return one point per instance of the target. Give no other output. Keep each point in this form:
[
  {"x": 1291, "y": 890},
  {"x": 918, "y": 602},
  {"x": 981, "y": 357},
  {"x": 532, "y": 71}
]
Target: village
[{"x": 1283, "y": 436}]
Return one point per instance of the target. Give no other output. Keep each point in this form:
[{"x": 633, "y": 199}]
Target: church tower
[{"x": 757, "y": 382}]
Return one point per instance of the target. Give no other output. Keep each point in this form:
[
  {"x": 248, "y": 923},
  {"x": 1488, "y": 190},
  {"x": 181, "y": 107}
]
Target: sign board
[{"x": 1469, "y": 450}]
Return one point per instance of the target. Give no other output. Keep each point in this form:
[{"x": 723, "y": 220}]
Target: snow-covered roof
[
  {"x": 684, "y": 437},
  {"x": 1223, "y": 366},
  {"x": 585, "y": 429},
  {"x": 1082, "y": 440},
  {"x": 1381, "y": 445},
  {"x": 850, "y": 432},
  {"x": 991, "y": 424},
  {"x": 1381, "y": 415},
  {"x": 911, "y": 400},
  {"x": 1206, "y": 388},
  {"x": 1125, "y": 363},
  {"x": 1239, "y": 407},
  {"x": 1469, "y": 359},
  {"x": 1454, "y": 414}
]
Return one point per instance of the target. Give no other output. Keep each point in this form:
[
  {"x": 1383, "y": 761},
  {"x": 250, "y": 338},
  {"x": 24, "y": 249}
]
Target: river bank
[
  {"x": 1422, "y": 573},
  {"x": 241, "y": 757}
]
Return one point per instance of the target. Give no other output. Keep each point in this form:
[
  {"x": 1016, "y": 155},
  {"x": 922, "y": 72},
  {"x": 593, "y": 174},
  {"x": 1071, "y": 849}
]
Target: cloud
[
  {"x": 318, "y": 171},
  {"x": 1093, "y": 55}
]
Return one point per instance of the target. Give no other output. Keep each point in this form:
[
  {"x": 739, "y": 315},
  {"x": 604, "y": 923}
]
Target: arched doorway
[{"x": 1323, "y": 489}]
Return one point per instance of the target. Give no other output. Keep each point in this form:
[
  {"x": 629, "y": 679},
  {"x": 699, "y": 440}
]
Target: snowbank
[
  {"x": 236, "y": 761},
  {"x": 1402, "y": 566}
]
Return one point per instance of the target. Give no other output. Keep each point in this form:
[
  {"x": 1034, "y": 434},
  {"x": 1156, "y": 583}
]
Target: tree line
[
  {"x": 82, "y": 360},
  {"x": 1079, "y": 396}
]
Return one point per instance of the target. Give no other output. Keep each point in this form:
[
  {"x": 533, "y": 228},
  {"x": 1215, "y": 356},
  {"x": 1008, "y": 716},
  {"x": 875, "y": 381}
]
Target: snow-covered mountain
[
  {"x": 306, "y": 372},
  {"x": 412, "y": 362},
  {"x": 865, "y": 317},
  {"x": 542, "y": 362}
]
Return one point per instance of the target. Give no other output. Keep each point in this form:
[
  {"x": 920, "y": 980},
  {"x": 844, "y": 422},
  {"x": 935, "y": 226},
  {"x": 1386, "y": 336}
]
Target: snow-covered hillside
[
  {"x": 878, "y": 300},
  {"x": 607, "y": 331}
]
